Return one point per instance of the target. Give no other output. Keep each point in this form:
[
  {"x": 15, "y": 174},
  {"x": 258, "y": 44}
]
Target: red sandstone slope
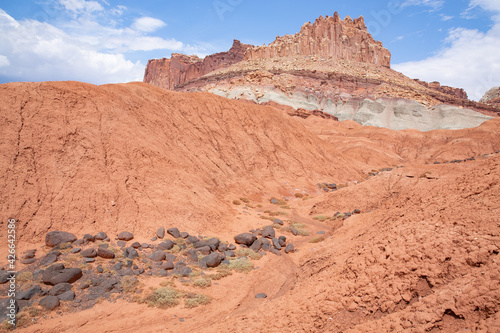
[{"x": 86, "y": 158}]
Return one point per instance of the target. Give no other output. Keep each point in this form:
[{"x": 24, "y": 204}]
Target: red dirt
[{"x": 421, "y": 256}]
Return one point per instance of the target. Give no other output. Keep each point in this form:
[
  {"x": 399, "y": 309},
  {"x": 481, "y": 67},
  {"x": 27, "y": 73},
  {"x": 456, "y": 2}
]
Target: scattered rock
[
  {"x": 289, "y": 248},
  {"x": 268, "y": 232},
  {"x": 231, "y": 247},
  {"x": 213, "y": 259},
  {"x": 136, "y": 245},
  {"x": 55, "y": 238},
  {"x": 121, "y": 244},
  {"x": 276, "y": 243},
  {"x": 49, "y": 302},
  {"x": 166, "y": 245},
  {"x": 28, "y": 261},
  {"x": 278, "y": 221},
  {"x": 76, "y": 250},
  {"x": 28, "y": 294},
  {"x": 245, "y": 238},
  {"x": 89, "y": 253},
  {"x": 57, "y": 273},
  {"x": 266, "y": 244},
  {"x": 222, "y": 247},
  {"x": 101, "y": 236},
  {"x": 125, "y": 236},
  {"x": 105, "y": 253},
  {"x": 205, "y": 250},
  {"x": 67, "y": 296},
  {"x": 186, "y": 271},
  {"x": 257, "y": 245},
  {"x": 130, "y": 253},
  {"x": 157, "y": 256},
  {"x": 88, "y": 260},
  {"x": 294, "y": 231},
  {"x": 60, "y": 288},
  {"x": 275, "y": 251},
  {"x": 229, "y": 254},
  {"x": 88, "y": 238},
  {"x": 184, "y": 234},
  {"x": 160, "y": 233},
  {"x": 261, "y": 296},
  {"x": 174, "y": 232},
  {"x": 168, "y": 265},
  {"x": 282, "y": 241},
  {"x": 50, "y": 258}
]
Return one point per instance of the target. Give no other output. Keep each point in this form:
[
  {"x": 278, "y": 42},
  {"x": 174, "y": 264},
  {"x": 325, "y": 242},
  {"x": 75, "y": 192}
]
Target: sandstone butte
[{"x": 328, "y": 38}]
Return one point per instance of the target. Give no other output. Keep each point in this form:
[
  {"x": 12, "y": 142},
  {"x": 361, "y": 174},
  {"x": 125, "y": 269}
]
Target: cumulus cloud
[
  {"x": 470, "y": 60},
  {"x": 88, "y": 47},
  {"x": 148, "y": 24}
]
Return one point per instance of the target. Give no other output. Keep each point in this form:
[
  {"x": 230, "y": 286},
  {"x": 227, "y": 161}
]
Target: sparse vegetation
[
  {"x": 236, "y": 202},
  {"x": 321, "y": 218},
  {"x": 202, "y": 282},
  {"x": 245, "y": 200},
  {"x": 193, "y": 300},
  {"x": 24, "y": 277},
  {"x": 299, "y": 195},
  {"x": 242, "y": 265},
  {"x": 222, "y": 272},
  {"x": 242, "y": 252},
  {"x": 163, "y": 297},
  {"x": 130, "y": 284},
  {"x": 317, "y": 240}
]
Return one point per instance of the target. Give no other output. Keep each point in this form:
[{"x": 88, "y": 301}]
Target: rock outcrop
[
  {"x": 455, "y": 92},
  {"x": 328, "y": 37},
  {"x": 492, "y": 97},
  {"x": 180, "y": 68}
]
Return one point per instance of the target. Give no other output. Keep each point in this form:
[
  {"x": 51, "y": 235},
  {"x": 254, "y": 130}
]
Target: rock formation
[
  {"x": 455, "y": 92},
  {"x": 328, "y": 37},
  {"x": 180, "y": 68},
  {"x": 492, "y": 97}
]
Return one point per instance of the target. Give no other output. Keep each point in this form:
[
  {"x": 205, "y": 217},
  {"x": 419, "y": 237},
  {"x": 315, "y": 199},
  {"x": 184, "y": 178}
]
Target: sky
[{"x": 455, "y": 42}]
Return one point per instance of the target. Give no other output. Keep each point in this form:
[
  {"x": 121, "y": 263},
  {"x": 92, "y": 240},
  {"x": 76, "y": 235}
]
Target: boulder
[
  {"x": 278, "y": 221},
  {"x": 125, "y": 236},
  {"x": 57, "y": 273},
  {"x": 60, "y": 288},
  {"x": 160, "y": 233},
  {"x": 136, "y": 245},
  {"x": 89, "y": 253},
  {"x": 67, "y": 296},
  {"x": 213, "y": 259},
  {"x": 29, "y": 293},
  {"x": 101, "y": 236},
  {"x": 168, "y": 265},
  {"x": 268, "y": 232},
  {"x": 157, "y": 256},
  {"x": 289, "y": 248},
  {"x": 245, "y": 238},
  {"x": 205, "y": 250},
  {"x": 266, "y": 244},
  {"x": 130, "y": 253},
  {"x": 174, "y": 232},
  {"x": 257, "y": 245},
  {"x": 166, "y": 245},
  {"x": 88, "y": 238},
  {"x": 105, "y": 253},
  {"x": 49, "y": 302},
  {"x": 276, "y": 243},
  {"x": 50, "y": 258},
  {"x": 55, "y": 238}
]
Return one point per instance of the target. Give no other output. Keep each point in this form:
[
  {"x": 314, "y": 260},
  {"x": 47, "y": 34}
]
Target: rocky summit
[{"x": 333, "y": 66}]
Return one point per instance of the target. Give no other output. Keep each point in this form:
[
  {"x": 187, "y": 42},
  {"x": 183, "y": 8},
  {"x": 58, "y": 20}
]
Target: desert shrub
[
  {"x": 317, "y": 240},
  {"x": 278, "y": 202},
  {"x": 246, "y": 252},
  {"x": 321, "y": 218},
  {"x": 264, "y": 217},
  {"x": 285, "y": 207},
  {"x": 24, "y": 277},
  {"x": 193, "y": 300},
  {"x": 236, "y": 202},
  {"x": 202, "y": 283},
  {"x": 299, "y": 195},
  {"x": 242, "y": 265},
  {"x": 245, "y": 200},
  {"x": 222, "y": 272},
  {"x": 163, "y": 297},
  {"x": 130, "y": 284}
]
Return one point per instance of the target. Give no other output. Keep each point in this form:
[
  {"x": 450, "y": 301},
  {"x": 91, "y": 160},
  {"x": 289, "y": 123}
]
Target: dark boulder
[
  {"x": 67, "y": 296},
  {"x": 157, "y": 256},
  {"x": 213, "y": 259},
  {"x": 57, "y": 273},
  {"x": 261, "y": 296},
  {"x": 174, "y": 232},
  {"x": 28, "y": 294},
  {"x": 166, "y": 245},
  {"x": 55, "y": 238},
  {"x": 125, "y": 236},
  {"x": 49, "y": 302},
  {"x": 205, "y": 250},
  {"x": 268, "y": 232},
  {"x": 289, "y": 248},
  {"x": 276, "y": 243},
  {"x": 245, "y": 238},
  {"x": 278, "y": 221},
  {"x": 50, "y": 258},
  {"x": 257, "y": 245},
  {"x": 168, "y": 265},
  {"x": 101, "y": 236},
  {"x": 105, "y": 253},
  {"x": 60, "y": 288},
  {"x": 89, "y": 253},
  {"x": 266, "y": 244},
  {"x": 160, "y": 233},
  {"x": 136, "y": 245},
  {"x": 88, "y": 238},
  {"x": 130, "y": 253}
]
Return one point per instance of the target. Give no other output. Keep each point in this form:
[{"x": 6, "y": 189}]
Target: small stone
[
  {"x": 49, "y": 302},
  {"x": 28, "y": 261},
  {"x": 130, "y": 253},
  {"x": 166, "y": 245},
  {"x": 205, "y": 250},
  {"x": 174, "y": 232},
  {"x": 136, "y": 245},
  {"x": 230, "y": 254},
  {"x": 266, "y": 244},
  {"x": 88, "y": 260},
  {"x": 154, "y": 238},
  {"x": 89, "y": 253},
  {"x": 168, "y": 265},
  {"x": 261, "y": 296},
  {"x": 268, "y": 232},
  {"x": 276, "y": 243},
  {"x": 55, "y": 238},
  {"x": 289, "y": 248},
  {"x": 184, "y": 234},
  {"x": 76, "y": 250},
  {"x": 160, "y": 233},
  {"x": 278, "y": 221},
  {"x": 50, "y": 258},
  {"x": 257, "y": 245},
  {"x": 121, "y": 244},
  {"x": 275, "y": 251},
  {"x": 88, "y": 238},
  {"x": 245, "y": 238},
  {"x": 28, "y": 294},
  {"x": 67, "y": 296},
  {"x": 101, "y": 236},
  {"x": 231, "y": 247},
  {"x": 60, "y": 288},
  {"x": 125, "y": 236},
  {"x": 105, "y": 253},
  {"x": 186, "y": 271},
  {"x": 213, "y": 259},
  {"x": 157, "y": 256}
]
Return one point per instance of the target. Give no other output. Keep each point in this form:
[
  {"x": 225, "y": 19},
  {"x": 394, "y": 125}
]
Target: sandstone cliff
[
  {"x": 328, "y": 37},
  {"x": 455, "y": 92},
  {"x": 180, "y": 68},
  {"x": 492, "y": 97}
]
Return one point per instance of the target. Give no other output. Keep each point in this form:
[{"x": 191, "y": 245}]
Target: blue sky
[{"x": 456, "y": 42}]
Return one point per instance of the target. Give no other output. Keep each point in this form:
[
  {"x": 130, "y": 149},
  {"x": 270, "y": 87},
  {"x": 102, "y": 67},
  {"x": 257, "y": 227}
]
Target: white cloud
[
  {"x": 445, "y": 18},
  {"x": 471, "y": 59},
  {"x": 4, "y": 61},
  {"x": 148, "y": 24},
  {"x": 434, "y": 4},
  {"x": 81, "y": 6},
  {"x": 89, "y": 47}
]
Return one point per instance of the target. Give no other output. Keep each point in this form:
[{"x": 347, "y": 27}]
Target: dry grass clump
[
  {"x": 321, "y": 218},
  {"x": 163, "y": 297},
  {"x": 193, "y": 300},
  {"x": 203, "y": 282},
  {"x": 245, "y": 200},
  {"x": 245, "y": 252},
  {"x": 242, "y": 265},
  {"x": 130, "y": 284},
  {"x": 317, "y": 240}
]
